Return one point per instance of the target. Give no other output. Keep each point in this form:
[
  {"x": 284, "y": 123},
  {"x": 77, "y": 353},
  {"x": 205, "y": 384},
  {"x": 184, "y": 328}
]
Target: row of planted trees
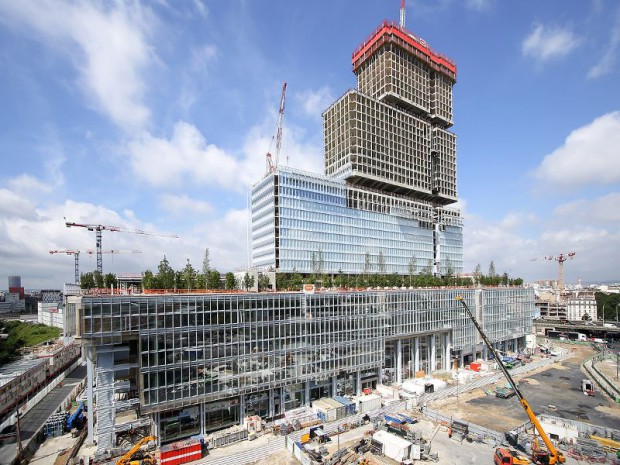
[{"x": 189, "y": 278}]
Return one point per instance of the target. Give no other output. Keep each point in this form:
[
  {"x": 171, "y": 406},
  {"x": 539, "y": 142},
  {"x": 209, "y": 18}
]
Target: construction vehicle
[
  {"x": 549, "y": 457},
  {"x": 145, "y": 459},
  {"x": 505, "y": 456},
  {"x": 587, "y": 387}
]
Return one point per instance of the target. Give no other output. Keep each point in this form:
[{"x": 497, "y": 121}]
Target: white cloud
[
  {"x": 315, "y": 102},
  {"x": 608, "y": 60},
  {"x": 188, "y": 157},
  {"x": 182, "y": 204},
  {"x": 548, "y": 42},
  {"x": 603, "y": 210},
  {"x": 26, "y": 184},
  {"x": 107, "y": 44},
  {"x": 588, "y": 156}
]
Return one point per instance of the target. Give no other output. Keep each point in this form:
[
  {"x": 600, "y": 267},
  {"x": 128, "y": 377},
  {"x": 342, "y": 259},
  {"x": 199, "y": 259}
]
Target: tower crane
[
  {"x": 76, "y": 256},
  {"x": 560, "y": 259},
  {"x": 402, "y": 14},
  {"x": 98, "y": 228},
  {"x": 271, "y": 164}
]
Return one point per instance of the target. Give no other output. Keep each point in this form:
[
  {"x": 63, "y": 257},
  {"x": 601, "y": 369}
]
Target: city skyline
[{"x": 166, "y": 127}]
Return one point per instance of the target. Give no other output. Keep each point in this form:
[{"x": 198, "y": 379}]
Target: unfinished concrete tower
[{"x": 390, "y": 135}]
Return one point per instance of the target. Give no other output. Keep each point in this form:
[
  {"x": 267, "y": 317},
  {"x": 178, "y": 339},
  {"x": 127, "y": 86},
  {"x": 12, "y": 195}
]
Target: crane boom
[
  {"x": 76, "y": 264},
  {"x": 279, "y": 127},
  {"x": 555, "y": 456},
  {"x": 98, "y": 228}
]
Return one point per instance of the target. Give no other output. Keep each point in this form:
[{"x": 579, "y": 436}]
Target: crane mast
[
  {"x": 555, "y": 456},
  {"x": 402, "y": 14}
]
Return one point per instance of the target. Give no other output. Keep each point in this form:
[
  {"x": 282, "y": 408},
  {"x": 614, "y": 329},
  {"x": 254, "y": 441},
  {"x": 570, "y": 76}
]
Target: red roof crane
[
  {"x": 76, "y": 255},
  {"x": 271, "y": 164},
  {"x": 98, "y": 228},
  {"x": 560, "y": 259}
]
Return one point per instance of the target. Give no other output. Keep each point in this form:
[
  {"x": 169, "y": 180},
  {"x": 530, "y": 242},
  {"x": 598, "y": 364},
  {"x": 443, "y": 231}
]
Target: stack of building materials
[
  {"x": 590, "y": 450},
  {"x": 55, "y": 425},
  {"x": 227, "y": 436}
]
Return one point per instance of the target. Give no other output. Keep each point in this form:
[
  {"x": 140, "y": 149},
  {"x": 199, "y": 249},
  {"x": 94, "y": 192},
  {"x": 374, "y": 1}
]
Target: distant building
[{"x": 580, "y": 304}]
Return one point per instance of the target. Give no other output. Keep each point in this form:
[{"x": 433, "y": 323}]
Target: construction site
[{"x": 372, "y": 375}]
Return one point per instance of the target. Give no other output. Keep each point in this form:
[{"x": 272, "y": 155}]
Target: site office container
[
  {"x": 181, "y": 452},
  {"x": 341, "y": 410},
  {"x": 368, "y": 403},
  {"x": 324, "y": 411},
  {"x": 394, "y": 447},
  {"x": 348, "y": 405}
]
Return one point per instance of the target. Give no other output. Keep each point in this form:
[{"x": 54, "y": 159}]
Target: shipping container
[
  {"x": 349, "y": 405},
  {"x": 324, "y": 411},
  {"x": 181, "y": 452},
  {"x": 394, "y": 447},
  {"x": 368, "y": 403}
]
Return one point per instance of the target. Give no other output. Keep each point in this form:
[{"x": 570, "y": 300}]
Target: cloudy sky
[{"x": 157, "y": 116}]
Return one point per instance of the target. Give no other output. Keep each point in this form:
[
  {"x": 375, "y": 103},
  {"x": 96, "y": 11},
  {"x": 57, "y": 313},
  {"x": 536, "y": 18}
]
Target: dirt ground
[{"x": 499, "y": 414}]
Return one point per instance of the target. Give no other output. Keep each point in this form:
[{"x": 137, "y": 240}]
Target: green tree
[
  {"x": 263, "y": 282},
  {"x": 148, "y": 280},
  {"x": 231, "y": 282},
  {"x": 341, "y": 280},
  {"x": 109, "y": 280},
  {"x": 320, "y": 262},
  {"x": 165, "y": 274},
  {"x": 296, "y": 281},
  {"x": 213, "y": 280},
  {"x": 492, "y": 272},
  {"x": 505, "y": 279},
  {"x": 248, "y": 281},
  {"x": 98, "y": 279},
  {"x": 189, "y": 275},
  {"x": 206, "y": 263},
  {"x": 381, "y": 262},
  {"x": 87, "y": 280},
  {"x": 411, "y": 268},
  {"x": 367, "y": 264}
]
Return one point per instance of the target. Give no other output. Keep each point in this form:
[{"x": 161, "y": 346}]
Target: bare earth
[{"x": 503, "y": 414}]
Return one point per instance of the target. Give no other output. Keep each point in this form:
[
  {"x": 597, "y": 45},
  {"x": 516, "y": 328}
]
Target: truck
[
  {"x": 552, "y": 455},
  {"x": 587, "y": 387},
  {"x": 505, "y": 456}
]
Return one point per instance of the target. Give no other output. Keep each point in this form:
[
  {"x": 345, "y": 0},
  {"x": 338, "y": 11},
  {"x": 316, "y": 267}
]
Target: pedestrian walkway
[{"x": 594, "y": 368}]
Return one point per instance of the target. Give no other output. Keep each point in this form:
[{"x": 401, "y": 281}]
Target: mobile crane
[{"x": 550, "y": 457}]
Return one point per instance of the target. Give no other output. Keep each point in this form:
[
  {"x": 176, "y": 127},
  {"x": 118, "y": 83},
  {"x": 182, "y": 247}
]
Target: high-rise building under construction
[
  {"x": 188, "y": 365},
  {"x": 390, "y": 173}
]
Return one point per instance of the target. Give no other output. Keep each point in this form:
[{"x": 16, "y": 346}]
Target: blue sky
[{"x": 157, "y": 116}]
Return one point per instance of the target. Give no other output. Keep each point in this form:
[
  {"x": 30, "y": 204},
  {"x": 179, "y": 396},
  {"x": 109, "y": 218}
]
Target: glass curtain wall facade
[
  {"x": 298, "y": 217},
  {"x": 232, "y": 355}
]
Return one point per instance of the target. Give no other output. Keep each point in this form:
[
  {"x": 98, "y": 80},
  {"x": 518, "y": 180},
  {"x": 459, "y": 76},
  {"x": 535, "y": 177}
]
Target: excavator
[
  {"x": 144, "y": 460},
  {"x": 551, "y": 456}
]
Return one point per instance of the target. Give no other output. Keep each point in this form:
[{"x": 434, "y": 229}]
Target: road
[{"x": 36, "y": 417}]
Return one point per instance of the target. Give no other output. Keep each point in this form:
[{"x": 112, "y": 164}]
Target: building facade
[
  {"x": 390, "y": 174},
  {"x": 198, "y": 363}
]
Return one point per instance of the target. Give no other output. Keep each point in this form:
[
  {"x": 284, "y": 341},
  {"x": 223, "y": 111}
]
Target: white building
[{"x": 580, "y": 305}]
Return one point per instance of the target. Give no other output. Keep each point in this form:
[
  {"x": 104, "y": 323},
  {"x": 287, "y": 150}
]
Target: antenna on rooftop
[{"x": 402, "y": 14}]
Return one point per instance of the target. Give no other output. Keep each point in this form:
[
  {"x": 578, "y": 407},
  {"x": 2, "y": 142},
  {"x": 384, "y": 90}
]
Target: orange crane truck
[{"x": 551, "y": 456}]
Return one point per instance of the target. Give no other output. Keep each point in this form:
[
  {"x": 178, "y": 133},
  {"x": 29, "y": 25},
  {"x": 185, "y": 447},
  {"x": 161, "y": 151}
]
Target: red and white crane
[
  {"x": 76, "y": 256},
  {"x": 273, "y": 164},
  {"x": 98, "y": 228},
  {"x": 561, "y": 258}
]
